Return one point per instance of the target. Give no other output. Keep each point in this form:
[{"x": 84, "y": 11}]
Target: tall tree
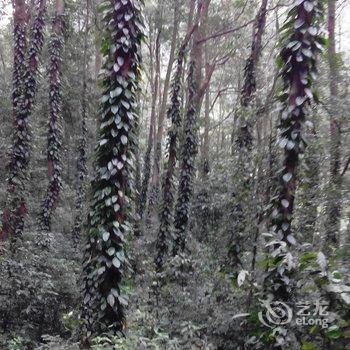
[
  {"x": 189, "y": 146},
  {"x": 154, "y": 81},
  {"x": 54, "y": 125},
  {"x": 242, "y": 212},
  {"x": 334, "y": 194},
  {"x": 249, "y": 85},
  {"x": 205, "y": 168},
  {"x": 19, "y": 33},
  {"x": 24, "y": 91},
  {"x": 174, "y": 114},
  {"x": 188, "y": 154},
  {"x": 301, "y": 42},
  {"x": 105, "y": 260},
  {"x": 249, "y": 79},
  {"x": 82, "y": 147},
  {"x": 162, "y": 111}
]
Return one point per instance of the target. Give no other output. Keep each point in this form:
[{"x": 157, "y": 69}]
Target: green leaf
[
  {"x": 116, "y": 92},
  {"x": 124, "y": 140},
  {"x": 105, "y": 236},
  {"x": 116, "y": 262},
  {"x": 333, "y": 332},
  {"x": 308, "y": 346},
  {"x": 111, "y": 300},
  {"x": 115, "y": 109},
  {"x": 111, "y": 251}
]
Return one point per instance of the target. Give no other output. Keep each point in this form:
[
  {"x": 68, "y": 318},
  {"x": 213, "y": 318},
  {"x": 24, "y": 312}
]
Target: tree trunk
[
  {"x": 105, "y": 260},
  {"x": 162, "y": 112},
  {"x": 249, "y": 85},
  {"x": 189, "y": 147},
  {"x": 154, "y": 80},
  {"x": 244, "y": 192},
  {"x": 174, "y": 114},
  {"x": 205, "y": 167},
  {"x": 24, "y": 92},
  {"x": 54, "y": 138},
  {"x": 82, "y": 147},
  {"x": 296, "y": 98},
  {"x": 334, "y": 190}
]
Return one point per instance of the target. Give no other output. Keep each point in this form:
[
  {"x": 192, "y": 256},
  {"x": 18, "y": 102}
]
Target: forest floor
[
  {"x": 193, "y": 310},
  {"x": 199, "y": 306}
]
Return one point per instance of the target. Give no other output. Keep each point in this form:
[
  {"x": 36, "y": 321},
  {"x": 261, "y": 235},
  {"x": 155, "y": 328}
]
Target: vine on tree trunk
[
  {"x": 297, "y": 62},
  {"x": 174, "y": 114},
  {"x": 187, "y": 170},
  {"x": 54, "y": 143},
  {"x": 105, "y": 260},
  {"x": 23, "y": 97}
]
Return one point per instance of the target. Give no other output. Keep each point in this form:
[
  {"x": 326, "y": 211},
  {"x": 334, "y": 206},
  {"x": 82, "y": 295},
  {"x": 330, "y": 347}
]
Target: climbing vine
[
  {"x": 105, "y": 261},
  {"x": 174, "y": 114},
  {"x": 188, "y": 154},
  {"x": 54, "y": 124},
  {"x": 242, "y": 213},
  {"x": 81, "y": 173},
  {"x": 302, "y": 40},
  {"x": 82, "y": 146},
  {"x": 23, "y": 96}
]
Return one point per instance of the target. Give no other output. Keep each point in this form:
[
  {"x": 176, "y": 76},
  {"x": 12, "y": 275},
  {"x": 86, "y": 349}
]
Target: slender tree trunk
[
  {"x": 249, "y": 80},
  {"x": 19, "y": 33},
  {"x": 205, "y": 167},
  {"x": 54, "y": 142},
  {"x": 155, "y": 68},
  {"x": 105, "y": 260},
  {"x": 162, "y": 111},
  {"x": 249, "y": 85},
  {"x": 97, "y": 55},
  {"x": 174, "y": 114},
  {"x": 24, "y": 92},
  {"x": 20, "y": 27},
  {"x": 189, "y": 147},
  {"x": 334, "y": 195},
  {"x": 82, "y": 147},
  {"x": 243, "y": 211}
]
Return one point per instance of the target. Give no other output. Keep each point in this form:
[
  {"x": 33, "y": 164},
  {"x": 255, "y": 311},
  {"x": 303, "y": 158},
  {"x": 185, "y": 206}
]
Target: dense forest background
[{"x": 167, "y": 167}]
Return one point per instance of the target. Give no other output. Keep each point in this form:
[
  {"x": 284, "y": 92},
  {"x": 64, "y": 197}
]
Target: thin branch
[
  {"x": 223, "y": 120},
  {"x": 232, "y": 30},
  {"x": 346, "y": 167}
]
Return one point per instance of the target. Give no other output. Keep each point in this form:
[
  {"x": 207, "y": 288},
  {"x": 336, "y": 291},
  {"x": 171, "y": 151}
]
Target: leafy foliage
[
  {"x": 188, "y": 155},
  {"x": 105, "y": 260},
  {"x": 301, "y": 42},
  {"x": 174, "y": 114},
  {"x": 54, "y": 143},
  {"x": 24, "y": 91}
]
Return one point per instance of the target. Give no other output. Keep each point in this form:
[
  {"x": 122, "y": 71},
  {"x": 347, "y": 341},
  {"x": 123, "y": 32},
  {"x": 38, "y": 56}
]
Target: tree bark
[
  {"x": 162, "y": 111},
  {"x": 245, "y": 213},
  {"x": 205, "y": 167},
  {"x": 189, "y": 147},
  {"x": 154, "y": 81},
  {"x": 174, "y": 114},
  {"x": 82, "y": 147},
  {"x": 296, "y": 99},
  {"x": 334, "y": 191}
]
